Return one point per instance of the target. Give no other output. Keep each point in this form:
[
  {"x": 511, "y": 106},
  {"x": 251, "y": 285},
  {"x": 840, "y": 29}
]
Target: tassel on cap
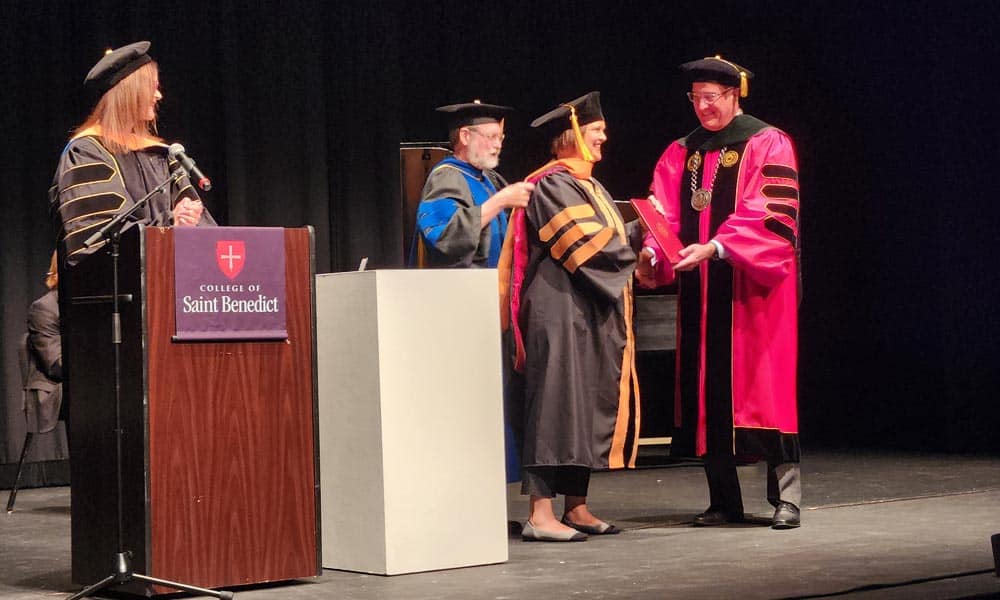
[
  {"x": 581, "y": 112},
  {"x": 578, "y": 134}
]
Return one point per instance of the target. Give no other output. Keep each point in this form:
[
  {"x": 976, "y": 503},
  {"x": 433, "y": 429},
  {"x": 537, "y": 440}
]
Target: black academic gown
[
  {"x": 580, "y": 390},
  {"x": 91, "y": 185}
]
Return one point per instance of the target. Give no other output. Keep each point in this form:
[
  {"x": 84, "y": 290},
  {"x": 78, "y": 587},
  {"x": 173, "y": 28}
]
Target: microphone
[{"x": 177, "y": 151}]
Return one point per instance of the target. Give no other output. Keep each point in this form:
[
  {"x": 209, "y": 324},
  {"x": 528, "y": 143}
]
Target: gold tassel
[
  {"x": 584, "y": 151},
  {"x": 744, "y": 82}
]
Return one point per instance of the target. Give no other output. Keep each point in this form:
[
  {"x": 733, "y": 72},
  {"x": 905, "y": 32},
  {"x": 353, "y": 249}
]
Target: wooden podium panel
[
  {"x": 416, "y": 159},
  {"x": 220, "y": 483}
]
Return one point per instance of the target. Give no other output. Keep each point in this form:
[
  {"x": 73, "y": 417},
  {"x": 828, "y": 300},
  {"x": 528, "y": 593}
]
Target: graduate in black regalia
[{"x": 568, "y": 264}]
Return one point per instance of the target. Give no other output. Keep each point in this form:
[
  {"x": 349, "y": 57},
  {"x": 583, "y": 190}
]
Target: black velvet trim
[
  {"x": 718, "y": 357},
  {"x": 92, "y": 173},
  {"x": 89, "y": 206},
  {"x": 783, "y": 209},
  {"x": 779, "y": 171},
  {"x": 718, "y": 336},
  {"x": 780, "y": 229},
  {"x": 780, "y": 191},
  {"x": 719, "y": 328},
  {"x": 771, "y": 444},
  {"x": 742, "y": 128},
  {"x": 630, "y": 432},
  {"x": 689, "y": 337}
]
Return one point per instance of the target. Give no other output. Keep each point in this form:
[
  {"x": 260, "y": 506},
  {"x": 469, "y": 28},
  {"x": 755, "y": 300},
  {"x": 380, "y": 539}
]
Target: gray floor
[{"x": 875, "y": 525}]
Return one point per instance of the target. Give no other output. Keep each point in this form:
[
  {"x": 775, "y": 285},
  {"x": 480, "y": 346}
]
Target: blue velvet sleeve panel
[{"x": 449, "y": 217}]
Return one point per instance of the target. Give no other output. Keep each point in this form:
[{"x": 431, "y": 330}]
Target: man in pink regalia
[{"x": 730, "y": 191}]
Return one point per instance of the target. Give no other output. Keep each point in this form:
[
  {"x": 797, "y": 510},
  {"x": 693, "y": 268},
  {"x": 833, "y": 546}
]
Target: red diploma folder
[{"x": 657, "y": 225}]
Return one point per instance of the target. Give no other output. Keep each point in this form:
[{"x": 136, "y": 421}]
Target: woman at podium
[
  {"x": 115, "y": 158},
  {"x": 570, "y": 259}
]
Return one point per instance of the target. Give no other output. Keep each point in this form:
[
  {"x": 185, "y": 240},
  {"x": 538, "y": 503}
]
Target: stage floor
[{"x": 875, "y": 525}]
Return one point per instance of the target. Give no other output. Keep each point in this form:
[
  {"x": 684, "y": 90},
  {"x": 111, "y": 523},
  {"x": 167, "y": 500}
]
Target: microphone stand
[{"x": 123, "y": 573}]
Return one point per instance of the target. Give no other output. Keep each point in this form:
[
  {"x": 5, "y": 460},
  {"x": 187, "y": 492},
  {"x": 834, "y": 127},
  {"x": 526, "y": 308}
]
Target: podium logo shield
[{"x": 230, "y": 255}]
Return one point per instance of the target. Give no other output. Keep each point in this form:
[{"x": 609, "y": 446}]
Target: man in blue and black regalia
[{"x": 461, "y": 219}]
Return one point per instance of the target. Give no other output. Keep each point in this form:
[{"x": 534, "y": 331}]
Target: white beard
[{"x": 483, "y": 161}]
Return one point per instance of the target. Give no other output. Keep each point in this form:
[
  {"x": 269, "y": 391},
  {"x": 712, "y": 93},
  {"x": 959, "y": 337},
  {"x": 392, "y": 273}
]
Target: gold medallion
[
  {"x": 700, "y": 199},
  {"x": 694, "y": 162},
  {"x": 730, "y": 158}
]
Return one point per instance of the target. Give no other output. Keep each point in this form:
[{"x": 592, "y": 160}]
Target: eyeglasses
[
  {"x": 496, "y": 138},
  {"x": 708, "y": 97}
]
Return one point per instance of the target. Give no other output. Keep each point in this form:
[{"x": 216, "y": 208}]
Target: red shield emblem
[{"x": 230, "y": 256}]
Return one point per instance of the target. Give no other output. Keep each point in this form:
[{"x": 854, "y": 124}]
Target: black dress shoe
[
  {"x": 717, "y": 516},
  {"x": 786, "y": 516}
]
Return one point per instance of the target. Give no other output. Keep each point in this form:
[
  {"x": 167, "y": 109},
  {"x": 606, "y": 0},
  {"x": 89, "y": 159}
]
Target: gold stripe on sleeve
[
  {"x": 181, "y": 191},
  {"x": 573, "y": 235},
  {"x": 111, "y": 211},
  {"x": 111, "y": 173},
  {"x": 570, "y": 213},
  {"x": 109, "y": 195},
  {"x": 588, "y": 250}
]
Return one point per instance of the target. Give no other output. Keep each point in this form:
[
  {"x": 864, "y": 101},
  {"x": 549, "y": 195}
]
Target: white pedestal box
[{"x": 410, "y": 420}]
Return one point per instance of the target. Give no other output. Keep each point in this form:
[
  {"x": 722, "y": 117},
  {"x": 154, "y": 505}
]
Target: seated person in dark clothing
[{"x": 43, "y": 385}]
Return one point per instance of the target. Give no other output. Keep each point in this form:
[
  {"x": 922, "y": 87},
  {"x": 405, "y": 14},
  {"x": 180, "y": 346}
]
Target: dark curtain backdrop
[{"x": 296, "y": 111}]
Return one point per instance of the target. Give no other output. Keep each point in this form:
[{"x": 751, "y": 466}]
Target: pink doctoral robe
[{"x": 737, "y": 317}]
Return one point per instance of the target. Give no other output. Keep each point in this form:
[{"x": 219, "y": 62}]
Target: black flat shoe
[
  {"x": 717, "y": 516},
  {"x": 786, "y": 516},
  {"x": 602, "y": 529}
]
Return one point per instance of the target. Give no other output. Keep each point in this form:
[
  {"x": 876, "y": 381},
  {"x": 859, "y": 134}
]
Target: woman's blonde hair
[
  {"x": 562, "y": 142},
  {"x": 122, "y": 112}
]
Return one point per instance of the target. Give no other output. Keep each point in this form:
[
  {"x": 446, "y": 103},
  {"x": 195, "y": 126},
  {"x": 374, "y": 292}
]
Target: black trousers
[
  {"x": 783, "y": 483},
  {"x": 547, "y": 481}
]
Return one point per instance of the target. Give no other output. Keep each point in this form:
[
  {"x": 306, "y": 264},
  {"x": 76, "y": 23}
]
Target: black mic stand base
[{"x": 124, "y": 574}]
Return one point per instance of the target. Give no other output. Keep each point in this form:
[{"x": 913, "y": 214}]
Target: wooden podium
[
  {"x": 220, "y": 463},
  {"x": 411, "y": 420}
]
